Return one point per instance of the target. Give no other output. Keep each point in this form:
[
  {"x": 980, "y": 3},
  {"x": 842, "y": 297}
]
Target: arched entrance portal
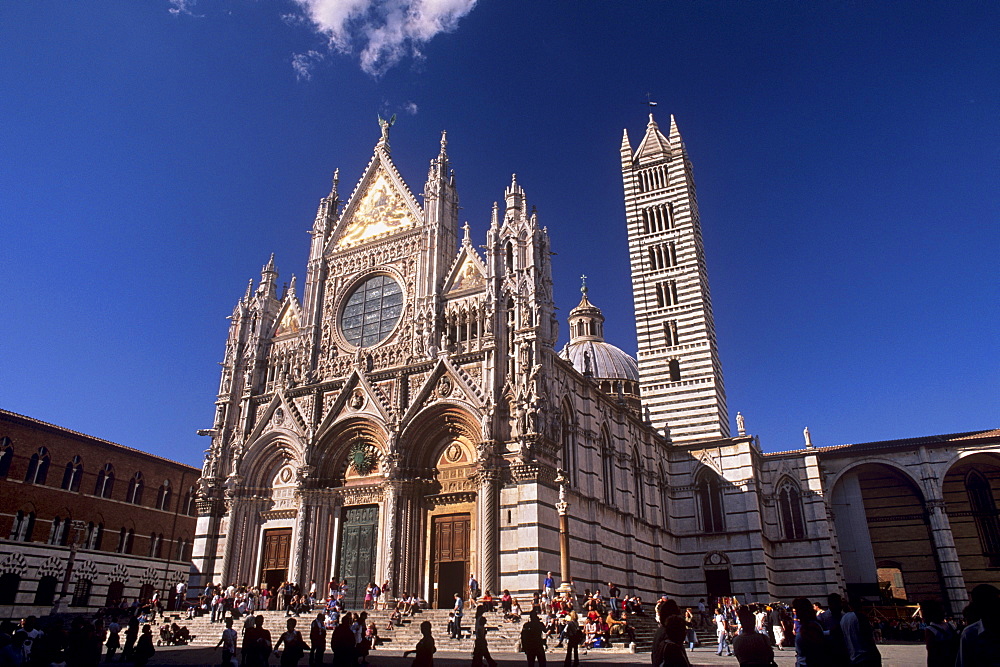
[
  {"x": 450, "y": 528},
  {"x": 884, "y": 534}
]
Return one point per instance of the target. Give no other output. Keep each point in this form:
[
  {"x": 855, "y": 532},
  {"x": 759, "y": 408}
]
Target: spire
[
  {"x": 586, "y": 321},
  {"x": 654, "y": 146},
  {"x": 246, "y": 297},
  {"x": 269, "y": 268},
  {"x": 626, "y": 147},
  {"x": 514, "y": 195},
  {"x": 495, "y": 219},
  {"x": 443, "y": 155},
  {"x": 336, "y": 182},
  {"x": 675, "y": 134}
]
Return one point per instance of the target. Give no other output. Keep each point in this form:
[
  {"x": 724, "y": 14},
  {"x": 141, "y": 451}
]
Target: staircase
[{"x": 503, "y": 637}]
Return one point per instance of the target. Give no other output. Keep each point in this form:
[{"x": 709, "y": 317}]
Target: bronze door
[
  {"x": 358, "y": 549},
  {"x": 450, "y": 557}
]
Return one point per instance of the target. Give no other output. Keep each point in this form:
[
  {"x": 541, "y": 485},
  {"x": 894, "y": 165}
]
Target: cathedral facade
[{"x": 410, "y": 419}]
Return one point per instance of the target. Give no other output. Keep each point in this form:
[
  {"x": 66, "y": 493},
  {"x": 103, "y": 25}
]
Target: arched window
[
  {"x": 568, "y": 449},
  {"x": 163, "y": 496},
  {"x": 155, "y": 545},
  {"x": 608, "y": 468},
  {"x": 664, "y": 499},
  {"x": 94, "y": 534},
  {"x": 135, "y": 487},
  {"x": 105, "y": 481},
  {"x": 125, "y": 538},
  {"x": 640, "y": 487},
  {"x": 45, "y": 595},
  {"x": 38, "y": 467},
  {"x": 793, "y": 527},
  {"x": 189, "y": 505},
  {"x": 10, "y": 583},
  {"x": 709, "y": 494},
  {"x": 6, "y": 456},
  {"x": 81, "y": 593},
  {"x": 24, "y": 525},
  {"x": 115, "y": 591},
  {"x": 984, "y": 510},
  {"x": 73, "y": 474},
  {"x": 59, "y": 533}
]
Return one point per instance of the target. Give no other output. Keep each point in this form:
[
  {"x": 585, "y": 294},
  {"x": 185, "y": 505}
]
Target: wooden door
[
  {"x": 274, "y": 561},
  {"x": 450, "y": 557}
]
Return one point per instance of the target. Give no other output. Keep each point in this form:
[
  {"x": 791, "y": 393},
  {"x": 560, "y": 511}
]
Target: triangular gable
[
  {"x": 290, "y": 418},
  {"x": 356, "y": 398},
  {"x": 289, "y": 320},
  {"x": 456, "y": 386},
  {"x": 381, "y": 205},
  {"x": 468, "y": 273}
]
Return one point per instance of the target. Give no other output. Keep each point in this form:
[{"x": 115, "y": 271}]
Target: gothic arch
[
  {"x": 426, "y": 436},
  {"x": 329, "y": 457},
  {"x": 266, "y": 455},
  {"x": 791, "y": 515}
]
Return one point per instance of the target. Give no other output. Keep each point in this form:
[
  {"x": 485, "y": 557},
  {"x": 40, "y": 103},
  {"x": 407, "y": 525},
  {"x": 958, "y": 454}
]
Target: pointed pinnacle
[{"x": 444, "y": 142}]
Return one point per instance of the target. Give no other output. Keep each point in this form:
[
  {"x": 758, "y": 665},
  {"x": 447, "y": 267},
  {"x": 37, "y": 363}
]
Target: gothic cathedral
[{"x": 411, "y": 420}]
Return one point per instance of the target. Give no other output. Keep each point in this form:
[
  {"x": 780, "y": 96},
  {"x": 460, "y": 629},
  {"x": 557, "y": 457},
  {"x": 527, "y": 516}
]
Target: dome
[
  {"x": 605, "y": 361},
  {"x": 587, "y": 350}
]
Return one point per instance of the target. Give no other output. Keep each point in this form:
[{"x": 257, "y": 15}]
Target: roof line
[{"x": 70, "y": 431}]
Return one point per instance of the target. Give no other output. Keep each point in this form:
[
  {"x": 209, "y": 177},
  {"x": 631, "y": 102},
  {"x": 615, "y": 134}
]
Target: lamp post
[
  {"x": 566, "y": 586},
  {"x": 76, "y": 538}
]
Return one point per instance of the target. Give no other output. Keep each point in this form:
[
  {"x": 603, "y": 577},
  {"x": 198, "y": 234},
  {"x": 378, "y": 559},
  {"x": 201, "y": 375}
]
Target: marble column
[
  {"x": 947, "y": 555},
  {"x": 390, "y": 506},
  {"x": 489, "y": 538},
  {"x": 299, "y": 557},
  {"x": 562, "y": 507},
  {"x": 229, "y": 569}
]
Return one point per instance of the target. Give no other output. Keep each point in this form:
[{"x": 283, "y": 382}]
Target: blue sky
[{"x": 847, "y": 156}]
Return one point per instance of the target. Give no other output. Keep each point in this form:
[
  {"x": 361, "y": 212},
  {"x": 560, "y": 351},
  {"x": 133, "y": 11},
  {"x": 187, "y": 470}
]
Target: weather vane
[{"x": 649, "y": 102}]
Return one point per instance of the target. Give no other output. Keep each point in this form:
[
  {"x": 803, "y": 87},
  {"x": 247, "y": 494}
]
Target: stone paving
[{"x": 893, "y": 655}]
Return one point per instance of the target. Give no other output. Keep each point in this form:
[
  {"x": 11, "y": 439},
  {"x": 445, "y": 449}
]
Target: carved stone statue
[
  {"x": 741, "y": 426},
  {"x": 808, "y": 437}
]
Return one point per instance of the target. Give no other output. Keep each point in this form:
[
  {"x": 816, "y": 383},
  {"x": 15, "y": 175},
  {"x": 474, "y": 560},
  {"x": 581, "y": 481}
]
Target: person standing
[
  {"x": 456, "y": 623},
  {"x": 614, "y": 595},
  {"x": 549, "y": 586},
  {"x": 114, "y": 641},
  {"x": 940, "y": 639},
  {"x": 810, "y": 643},
  {"x": 858, "y": 637},
  {"x": 480, "y": 650},
  {"x": 228, "y": 644},
  {"x": 574, "y": 637},
  {"x": 473, "y": 589},
  {"x": 144, "y": 647},
  {"x": 751, "y": 647},
  {"x": 317, "y": 640},
  {"x": 532, "y": 642},
  {"x": 425, "y": 648},
  {"x": 294, "y": 645},
  {"x": 256, "y": 644},
  {"x": 722, "y": 631},
  {"x": 343, "y": 643}
]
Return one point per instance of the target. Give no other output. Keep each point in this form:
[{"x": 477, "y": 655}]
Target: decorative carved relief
[
  {"x": 14, "y": 563},
  {"x": 119, "y": 573},
  {"x": 51, "y": 567},
  {"x": 361, "y": 495},
  {"x": 148, "y": 576}
]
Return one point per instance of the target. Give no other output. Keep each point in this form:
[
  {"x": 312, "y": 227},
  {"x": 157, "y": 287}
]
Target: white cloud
[
  {"x": 411, "y": 108},
  {"x": 303, "y": 64},
  {"x": 382, "y": 31},
  {"x": 182, "y": 7}
]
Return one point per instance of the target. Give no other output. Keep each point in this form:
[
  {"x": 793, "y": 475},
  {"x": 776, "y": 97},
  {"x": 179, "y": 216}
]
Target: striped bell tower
[{"x": 680, "y": 376}]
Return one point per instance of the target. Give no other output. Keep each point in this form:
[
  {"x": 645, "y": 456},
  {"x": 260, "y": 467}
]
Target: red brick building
[{"x": 85, "y": 522}]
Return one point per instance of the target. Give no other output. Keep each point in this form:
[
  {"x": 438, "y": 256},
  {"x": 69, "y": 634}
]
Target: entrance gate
[
  {"x": 450, "y": 558},
  {"x": 274, "y": 564},
  {"x": 358, "y": 548}
]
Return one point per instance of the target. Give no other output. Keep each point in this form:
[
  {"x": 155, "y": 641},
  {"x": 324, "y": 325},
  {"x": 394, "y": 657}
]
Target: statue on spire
[{"x": 385, "y": 125}]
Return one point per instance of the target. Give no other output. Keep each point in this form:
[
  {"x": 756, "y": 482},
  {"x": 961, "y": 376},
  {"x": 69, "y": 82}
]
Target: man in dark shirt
[
  {"x": 532, "y": 643},
  {"x": 750, "y": 646}
]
